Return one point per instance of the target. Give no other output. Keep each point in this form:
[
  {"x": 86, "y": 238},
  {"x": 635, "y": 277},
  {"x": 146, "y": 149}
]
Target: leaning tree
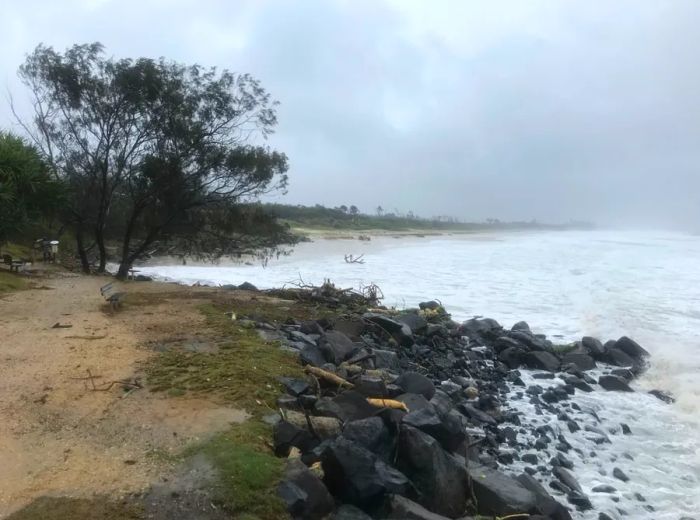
[{"x": 155, "y": 153}]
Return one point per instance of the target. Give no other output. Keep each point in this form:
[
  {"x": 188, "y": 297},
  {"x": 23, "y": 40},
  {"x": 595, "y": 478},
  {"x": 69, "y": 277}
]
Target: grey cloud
[{"x": 508, "y": 109}]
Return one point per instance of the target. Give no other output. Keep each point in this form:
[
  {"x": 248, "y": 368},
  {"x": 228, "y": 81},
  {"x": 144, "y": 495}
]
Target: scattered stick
[
  {"x": 58, "y": 325},
  {"x": 106, "y": 386},
  {"x": 351, "y": 259}
]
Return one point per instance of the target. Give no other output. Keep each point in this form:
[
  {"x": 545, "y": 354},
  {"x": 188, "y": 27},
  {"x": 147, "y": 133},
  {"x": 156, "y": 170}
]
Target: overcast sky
[{"x": 509, "y": 109}]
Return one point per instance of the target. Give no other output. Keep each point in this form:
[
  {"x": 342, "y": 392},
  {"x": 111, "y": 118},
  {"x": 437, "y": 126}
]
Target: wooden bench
[
  {"x": 111, "y": 296},
  {"x": 13, "y": 264}
]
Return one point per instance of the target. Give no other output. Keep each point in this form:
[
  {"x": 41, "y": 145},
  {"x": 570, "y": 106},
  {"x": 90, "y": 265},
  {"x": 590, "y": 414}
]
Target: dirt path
[{"x": 57, "y": 436}]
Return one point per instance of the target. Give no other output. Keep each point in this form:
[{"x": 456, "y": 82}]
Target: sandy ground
[{"x": 57, "y": 435}]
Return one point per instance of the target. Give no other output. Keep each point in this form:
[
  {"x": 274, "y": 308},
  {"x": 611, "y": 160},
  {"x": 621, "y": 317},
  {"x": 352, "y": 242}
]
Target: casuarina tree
[{"x": 154, "y": 151}]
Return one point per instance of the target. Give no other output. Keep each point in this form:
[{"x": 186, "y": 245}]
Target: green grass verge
[
  {"x": 248, "y": 471},
  {"x": 54, "y": 508},
  {"x": 11, "y": 282},
  {"x": 242, "y": 372}
]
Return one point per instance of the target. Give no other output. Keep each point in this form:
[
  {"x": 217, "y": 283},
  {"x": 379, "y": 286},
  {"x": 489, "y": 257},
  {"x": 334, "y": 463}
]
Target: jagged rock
[
  {"x": 482, "y": 330},
  {"x": 440, "y": 478},
  {"x": 304, "y": 494},
  {"x": 294, "y": 386},
  {"x": 386, "y": 359},
  {"x": 371, "y": 386},
  {"x": 370, "y": 433},
  {"x": 614, "y": 383},
  {"x": 400, "y": 331},
  {"x": 415, "y": 383},
  {"x": 312, "y": 355},
  {"x": 401, "y": 508},
  {"x": 541, "y": 360},
  {"x": 499, "y": 494},
  {"x": 413, "y": 401},
  {"x": 546, "y": 504},
  {"x": 504, "y": 342},
  {"x": 350, "y": 406},
  {"x": 350, "y": 512},
  {"x": 512, "y": 357},
  {"x": 475, "y": 414},
  {"x": 357, "y": 476},
  {"x": 582, "y": 361},
  {"x": 336, "y": 346},
  {"x": 625, "y": 429},
  {"x": 415, "y": 321},
  {"x": 449, "y": 429},
  {"x": 580, "y": 500},
  {"x": 285, "y": 435},
  {"x": 631, "y": 348}
]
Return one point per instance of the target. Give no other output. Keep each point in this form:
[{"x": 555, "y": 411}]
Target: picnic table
[{"x": 14, "y": 265}]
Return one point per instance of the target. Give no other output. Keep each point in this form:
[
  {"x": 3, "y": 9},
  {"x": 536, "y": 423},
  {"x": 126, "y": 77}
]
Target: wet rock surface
[{"x": 435, "y": 419}]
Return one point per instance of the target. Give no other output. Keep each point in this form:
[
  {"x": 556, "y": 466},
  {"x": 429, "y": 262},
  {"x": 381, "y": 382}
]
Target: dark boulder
[
  {"x": 619, "y": 358},
  {"x": 499, "y": 494},
  {"x": 357, "y": 476},
  {"x": 352, "y": 328},
  {"x": 449, "y": 429},
  {"x": 512, "y": 357},
  {"x": 619, "y": 474},
  {"x": 286, "y": 435},
  {"x": 582, "y": 361},
  {"x": 631, "y": 348},
  {"x": 476, "y": 415},
  {"x": 594, "y": 347},
  {"x": 614, "y": 383},
  {"x": 247, "y": 286},
  {"x": 348, "y": 406},
  {"x": 431, "y": 305},
  {"x": 304, "y": 494},
  {"x": 312, "y": 355},
  {"x": 401, "y": 508},
  {"x": 483, "y": 330},
  {"x": 521, "y": 326},
  {"x": 415, "y": 321},
  {"x": 336, "y": 346},
  {"x": 350, "y": 512},
  {"x": 663, "y": 396},
  {"x": 504, "y": 342},
  {"x": 294, "y": 386},
  {"x": 541, "y": 360},
  {"x": 386, "y": 359},
  {"x": 440, "y": 478},
  {"x": 401, "y": 332},
  {"x": 546, "y": 504},
  {"x": 370, "y": 433},
  {"x": 415, "y": 383},
  {"x": 566, "y": 478}
]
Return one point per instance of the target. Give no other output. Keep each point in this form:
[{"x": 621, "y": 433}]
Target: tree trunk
[
  {"x": 100, "y": 240},
  {"x": 82, "y": 254},
  {"x": 123, "y": 271}
]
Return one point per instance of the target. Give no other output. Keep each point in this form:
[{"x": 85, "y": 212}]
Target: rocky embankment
[{"x": 410, "y": 415}]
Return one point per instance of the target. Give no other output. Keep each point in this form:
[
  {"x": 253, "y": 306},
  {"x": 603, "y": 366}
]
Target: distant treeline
[{"x": 344, "y": 217}]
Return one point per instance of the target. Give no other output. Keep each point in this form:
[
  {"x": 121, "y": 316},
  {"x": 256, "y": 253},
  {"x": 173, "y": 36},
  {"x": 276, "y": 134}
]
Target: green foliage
[
  {"x": 52, "y": 508},
  {"x": 11, "y": 282},
  {"x": 152, "y": 150},
  {"x": 27, "y": 191},
  {"x": 248, "y": 471}
]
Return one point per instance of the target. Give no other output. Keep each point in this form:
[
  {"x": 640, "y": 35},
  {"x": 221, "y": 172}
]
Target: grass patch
[
  {"x": 243, "y": 371},
  {"x": 248, "y": 471},
  {"x": 52, "y": 508},
  {"x": 11, "y": 282}
]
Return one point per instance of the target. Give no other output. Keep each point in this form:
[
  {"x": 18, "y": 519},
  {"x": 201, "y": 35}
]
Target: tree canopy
[
  {"x": 155, "y": 153},
  {"x": 27, "y": 191}
]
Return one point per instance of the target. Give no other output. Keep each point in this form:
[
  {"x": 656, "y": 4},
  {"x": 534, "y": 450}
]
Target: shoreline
[{"x": 478, "y": 411}]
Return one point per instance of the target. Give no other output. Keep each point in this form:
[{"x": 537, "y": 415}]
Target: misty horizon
[{"x": 547, "y": 112}]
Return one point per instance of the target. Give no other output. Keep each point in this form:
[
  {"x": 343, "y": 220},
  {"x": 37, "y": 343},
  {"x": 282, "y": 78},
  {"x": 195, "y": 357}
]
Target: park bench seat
[
  {"x": 14, "y": 265},
  {"x": 111, "y": 295}
]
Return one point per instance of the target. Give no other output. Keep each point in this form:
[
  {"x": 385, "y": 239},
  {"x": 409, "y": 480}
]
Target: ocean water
[{"x": 564, "y": 284}]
